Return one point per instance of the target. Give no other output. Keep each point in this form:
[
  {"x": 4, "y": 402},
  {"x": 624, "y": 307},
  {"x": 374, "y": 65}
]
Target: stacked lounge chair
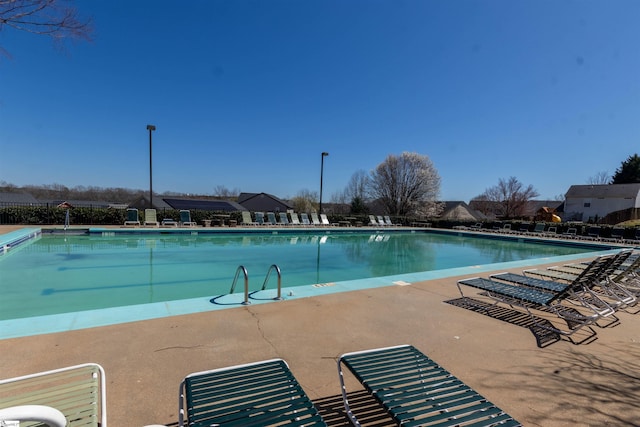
[{"x": 535, "y": 294}]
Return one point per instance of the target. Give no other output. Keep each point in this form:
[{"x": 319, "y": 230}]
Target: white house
[{"x": 591, "y": 202}]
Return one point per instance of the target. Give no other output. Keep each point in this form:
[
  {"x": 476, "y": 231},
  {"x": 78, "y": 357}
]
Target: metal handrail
[
  {"x": 266, "y": 279},
  {"x": 246, "y": 283}
]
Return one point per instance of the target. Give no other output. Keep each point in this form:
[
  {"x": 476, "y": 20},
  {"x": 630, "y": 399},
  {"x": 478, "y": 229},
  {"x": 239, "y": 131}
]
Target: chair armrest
[{"x": 44, "y": 414}]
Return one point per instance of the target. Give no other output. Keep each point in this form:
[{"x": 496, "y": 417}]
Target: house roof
[
  {"x": 78, "y": 203},
  {"x": 604, "y": 191},
  {"x": 18, "y": 198},
  {"x": 536, "y": 205},
  {"x": 254, "y": 200},
  {"x": 203, "y": 204},
  {"x": 460, "y": 211}
]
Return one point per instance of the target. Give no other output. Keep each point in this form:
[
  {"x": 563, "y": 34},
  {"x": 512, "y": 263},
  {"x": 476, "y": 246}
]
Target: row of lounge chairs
[
  {"x": 579, "y": 294},
  {"x": 381, "y": 221},
  {"x": 283, "y": 219},
  {"x": 412, "y": 388},
  {"x": 594, "y": 233},
  {"x": 151, "y": 219},
  {"x": 304, "y": 219}
]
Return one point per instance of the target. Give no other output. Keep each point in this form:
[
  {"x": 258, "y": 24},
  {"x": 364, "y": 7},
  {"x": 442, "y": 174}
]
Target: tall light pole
[
  {"x": 324, "y": 153},
  {"x": 150, "y": 128}
]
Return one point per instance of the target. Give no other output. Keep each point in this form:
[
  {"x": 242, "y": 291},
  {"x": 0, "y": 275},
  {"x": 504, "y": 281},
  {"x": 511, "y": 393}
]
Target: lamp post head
[
  {"x": 151, "y": 127},
  {"x": 324, "y": 153}
]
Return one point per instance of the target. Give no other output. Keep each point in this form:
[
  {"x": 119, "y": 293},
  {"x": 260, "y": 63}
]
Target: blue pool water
[{"x": 63, "y": 274}]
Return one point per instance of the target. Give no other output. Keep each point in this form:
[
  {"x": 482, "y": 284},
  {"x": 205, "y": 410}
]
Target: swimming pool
[{"x": 65, "y": 275}]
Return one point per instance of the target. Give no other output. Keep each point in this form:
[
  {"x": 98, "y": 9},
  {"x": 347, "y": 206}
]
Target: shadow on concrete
[
  {"x": 544, "y": 337},
  {"x": 368, "y": 411}
]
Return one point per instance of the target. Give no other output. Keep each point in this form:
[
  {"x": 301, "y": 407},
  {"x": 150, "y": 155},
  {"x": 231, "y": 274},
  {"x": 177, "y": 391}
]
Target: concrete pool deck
[{"x": 555, "y": 384}]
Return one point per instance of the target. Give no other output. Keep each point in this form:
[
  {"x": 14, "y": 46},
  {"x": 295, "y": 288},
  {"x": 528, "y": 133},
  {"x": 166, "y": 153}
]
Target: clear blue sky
[{"x": 247, "y": 94}]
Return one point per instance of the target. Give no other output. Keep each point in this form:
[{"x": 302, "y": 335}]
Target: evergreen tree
[
  {"x": 628, "y": 172},
  {"x": 358, "y": 206}
]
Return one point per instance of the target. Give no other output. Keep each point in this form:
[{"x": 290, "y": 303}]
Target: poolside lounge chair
[
  {"x": 636, "y": 237},
  {"x": 132, "y": 217},
  {"x": 324, "y": 220},
  {"x": 552, "y": 231},
  {"x": 185, "y": 219},
  {"x": 246, "y": 219},
  {"x": 570, "y": 272},
  {"x": 416, "y": 391},
  {"x": 78, "y": 392},
  {"x": 506, "y": 228},
  {"x": 151, "y": 218},
  {"x": 284, "y": 220},
  {"x": 593, "y": 233},
  {"x": 305, "y": 219},
  {"x": 256, "y": 394},
  {"x": 538, "y": 229},
  {"x": 571, "y": 233},
  {"x": 271, "y": 217},
  {"x": 314, "y": 219},
  {"x": 545, "y": 295},
  {"x": 294, "y": 219},
  {"x": 617, "y": 235},
  {"x": 168, "y": 222},
  {"x": 381, "y": 220},
  {"x": 260, "y": 218},
  {"x": 608, "y": 284},
  {"x": 388, "y": 222},
  {"x": 589, "y": 288},
  {"x": 373, "y": 221}
]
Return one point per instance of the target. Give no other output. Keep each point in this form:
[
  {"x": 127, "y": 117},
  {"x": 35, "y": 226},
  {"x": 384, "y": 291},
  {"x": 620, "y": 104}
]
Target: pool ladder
[{"x": 242, "y": 269}]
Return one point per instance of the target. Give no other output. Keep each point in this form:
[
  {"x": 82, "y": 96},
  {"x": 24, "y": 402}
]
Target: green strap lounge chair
[
  {"x": 416, "y": 391},
  {"x": 530, "y": 294},
  {"x": 185, "y": 219},
  {"x": 132, "y": 217},
  {"x": 591, "y": 286},
  {"x": 256, "y": 394},
  {"x": 284, "y": 219},
  {"x": 260, "y": 218},
  {"x": 78, "y": 392},
  {"x": 538, "y": 229},
  {"x": 271, "y": 217}
]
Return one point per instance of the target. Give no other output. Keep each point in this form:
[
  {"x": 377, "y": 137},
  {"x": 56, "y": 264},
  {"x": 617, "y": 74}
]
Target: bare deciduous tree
[
  {"x": 305, "y": 201},
  {"x": 407, "y": 184},
  {"x": 53, "y": 18},
  {"x": 224, "y": 192},
  {"x": 357, "y": 186},
  {"x": 510, "y": 197},
  {"x": 599, "y": 178}
]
